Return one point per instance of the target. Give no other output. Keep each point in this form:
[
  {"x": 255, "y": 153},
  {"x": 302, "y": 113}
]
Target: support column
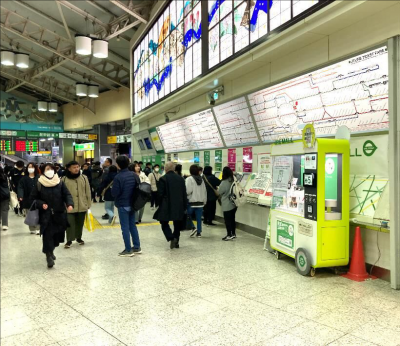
[{"x": 394, "y": 158}]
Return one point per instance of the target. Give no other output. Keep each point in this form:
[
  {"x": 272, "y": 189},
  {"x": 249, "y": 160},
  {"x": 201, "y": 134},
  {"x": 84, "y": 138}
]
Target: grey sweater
[{"x": 224, "y": 191}]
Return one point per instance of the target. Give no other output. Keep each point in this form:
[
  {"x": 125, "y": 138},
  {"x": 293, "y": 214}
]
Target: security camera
[
  {"x": 210, "y": 98},
  {"x": 213, "y": 95},
  {"x": 166, "y": 118}
]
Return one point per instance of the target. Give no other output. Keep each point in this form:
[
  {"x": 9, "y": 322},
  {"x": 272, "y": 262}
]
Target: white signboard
[
  {"x": 156, "y": 140},
  {"x": 264, "y": 163},
  {"x": 195, "y": 132},
  {"x": 235, "y": 122},
  {"x": 353, "y": 92}
]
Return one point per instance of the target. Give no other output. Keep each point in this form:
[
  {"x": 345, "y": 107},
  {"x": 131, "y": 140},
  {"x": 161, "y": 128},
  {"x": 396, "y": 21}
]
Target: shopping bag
[
  {"x": 32, "y": 216},
  {"x": 13, "y": 200},
  {"x": 89, "y": 221}
]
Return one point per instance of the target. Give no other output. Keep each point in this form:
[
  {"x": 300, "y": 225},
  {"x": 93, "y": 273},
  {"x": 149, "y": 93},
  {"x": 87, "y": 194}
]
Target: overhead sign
[
  {"x": 11, "y": 133},
  {"x": 34, "y": 134},
  {"x": 111, "y": 139},
  {"x": 84, "y": 146},
  {"x": 88, "y": 136}
]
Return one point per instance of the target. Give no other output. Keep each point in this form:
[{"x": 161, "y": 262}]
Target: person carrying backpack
[{"x": 228, "y": 207}]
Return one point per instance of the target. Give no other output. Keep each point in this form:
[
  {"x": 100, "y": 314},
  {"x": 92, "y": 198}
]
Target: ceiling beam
[
  {"x": 101, "y": 8},
  {"x": 128, "y": 10},
  {"x": 123, "y": 29},
  {"x": 106, "y": 66},
  {"x": 64, "y": 22}
]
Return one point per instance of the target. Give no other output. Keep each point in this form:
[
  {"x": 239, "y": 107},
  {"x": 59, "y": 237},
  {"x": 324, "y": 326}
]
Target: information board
[
  {"x": 26, "y": 146},
  {"x": 156, "y": 140},
  {"x": 195, "y": 132},
  {"x": 235, "y": 122},
  {"x": 5, "y": 145},
  {"x": 353, "y": 92}
]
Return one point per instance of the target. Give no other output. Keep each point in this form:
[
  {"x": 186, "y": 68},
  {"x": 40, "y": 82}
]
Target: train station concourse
[{"x": 200, "y": 172}]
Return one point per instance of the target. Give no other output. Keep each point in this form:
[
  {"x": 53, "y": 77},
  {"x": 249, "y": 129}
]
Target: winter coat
[
  {"x": 196, "y": 191},
  {"x": 108, "y": 197},
  {"x": 147, "y": 171},
  {"x": 143, "y": 178},
  {"x": 80, "y": 191},
  {"x": 96, "y": 177},
  {"x": 172, "y": 198},
  {"x": 16, "y": 175},
  {"x": 224, "y": 191},
  {"x": 88, "y": 173},
  {"x": 58, "y": 198},
  {"x": 154, "y": 178},
  {"x": 214, "y": 182},
  {"x": 124, "y": 184},
  {"x": 25, "y": 187},
  {"x": 4, "y": 189}
]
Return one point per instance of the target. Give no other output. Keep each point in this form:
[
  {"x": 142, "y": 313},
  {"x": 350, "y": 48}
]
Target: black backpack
[{"x": 141, "y": 194}]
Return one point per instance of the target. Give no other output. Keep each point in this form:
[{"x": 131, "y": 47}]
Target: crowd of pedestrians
[{"x": 64, "y": 196}]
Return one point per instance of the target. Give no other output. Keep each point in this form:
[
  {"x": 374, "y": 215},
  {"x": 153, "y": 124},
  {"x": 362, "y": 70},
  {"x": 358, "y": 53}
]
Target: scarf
[
  {"x": 197, "y": 179},
  {"x": 46, "y": 182},
  {"x": 73, "y": 176}
]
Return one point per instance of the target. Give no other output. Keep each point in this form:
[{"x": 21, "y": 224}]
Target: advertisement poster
[
  {"x": 218, "y": 156},
  {"x": 196, "y": 157},
  {"x": 285, "y": 233},
  {"x": 331, "y": 176},
  {"x": 218, "y": 167},
  {"x": 264, "y": 163},
  {"x": 231, "y": 155},
  {"x": 248, "y": 159},
  {"x": 232, "y": 166},
  {"x": 282, "y": 172},
  {"x": 207, "y": 158},
  {"x": 261, "y": 184}
]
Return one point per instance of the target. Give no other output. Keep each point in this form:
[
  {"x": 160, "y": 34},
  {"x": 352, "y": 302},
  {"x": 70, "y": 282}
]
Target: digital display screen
[
  {"x": 141, "y": 145},
  {"x": 26, "y": 146},
  {"x": 148, "y": 143},
  {"x": 5, "y": 145}
]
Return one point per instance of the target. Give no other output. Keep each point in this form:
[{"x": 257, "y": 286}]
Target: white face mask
[
  {"x": 156, "y": 170},
  {"x": 49, "y": 174},
  {"x": 31, "y": 170}
]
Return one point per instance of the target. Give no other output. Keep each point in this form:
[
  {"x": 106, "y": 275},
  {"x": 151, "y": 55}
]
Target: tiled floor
[{"x": 208, "y": 292}]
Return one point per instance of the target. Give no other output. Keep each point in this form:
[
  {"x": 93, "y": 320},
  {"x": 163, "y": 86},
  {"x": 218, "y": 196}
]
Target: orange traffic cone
[{"x": 357, "y": 270}]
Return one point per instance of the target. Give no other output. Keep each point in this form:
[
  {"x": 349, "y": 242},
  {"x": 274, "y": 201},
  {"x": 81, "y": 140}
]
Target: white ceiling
[{"x": 37, "y": 28}]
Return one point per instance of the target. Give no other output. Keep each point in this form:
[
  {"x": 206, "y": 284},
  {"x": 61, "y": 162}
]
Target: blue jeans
[
  {"x": 128, "y": 227},
  {"x": 109, "y": 207},
  {"x": 198, "y": 212}
]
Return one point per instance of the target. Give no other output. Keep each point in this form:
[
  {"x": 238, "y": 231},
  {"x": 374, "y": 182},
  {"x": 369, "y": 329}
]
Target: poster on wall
[
  {"x": 248, "y": 159},
  {"x": 282, "y": 172},
  {"x": 218, "y": 156},
  {"x": 196, "y": 157},
  {"x": 231, "y": 155},
  {"x": 19, "y": 114},
  {"x": 264, "y": 163},
  {"x": 352, "y": 92},
  {"x": 207, "y": 158}
]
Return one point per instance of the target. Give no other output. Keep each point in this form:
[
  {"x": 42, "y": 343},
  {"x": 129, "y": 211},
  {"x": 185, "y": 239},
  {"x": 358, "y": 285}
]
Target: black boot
[
  {"x": 52, "y": 256},
  {"x": 50, "y": 261}
]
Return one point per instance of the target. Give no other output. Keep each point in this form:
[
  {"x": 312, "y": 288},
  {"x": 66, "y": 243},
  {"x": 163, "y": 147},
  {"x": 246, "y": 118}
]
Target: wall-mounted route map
[
  {"x": 195, "y": 132},
  {"x": 235, "y": 123},
  {"x": 353, "y": 92}
]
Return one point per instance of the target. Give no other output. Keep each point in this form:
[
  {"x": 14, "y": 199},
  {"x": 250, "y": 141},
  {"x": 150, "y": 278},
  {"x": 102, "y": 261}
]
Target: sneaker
[
  {"x": 193, "y": 232},
  {"x": 234, "y": 236},
  {"x": 137, "y": 251},
  {"x": 80, "y": 242},
  {"x": 173, "y": 243},
  {"x": 68, "y": 244},
  {"x": 226, "y": 238},
  {"x": 33, "y": 232},
  {"x": 38, "y": 232},
  {"x": 105, "y": 217},
  {"x": 198, "y": 235},
  {"x": 5, "y": 228},
  {"x": 126, "y": 254},
  {"x": 113, "y": 220},
  {"x": 177, "y": 246},
  {"x": 152, "y": 208},
  {"x": 50, "y": 261}
]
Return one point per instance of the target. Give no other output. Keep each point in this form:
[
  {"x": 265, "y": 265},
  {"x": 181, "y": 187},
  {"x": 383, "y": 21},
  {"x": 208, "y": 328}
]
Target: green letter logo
[{"x": 369, "y": 148}]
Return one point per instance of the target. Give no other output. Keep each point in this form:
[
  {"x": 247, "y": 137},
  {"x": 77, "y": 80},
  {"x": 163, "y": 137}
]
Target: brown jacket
[{"x": 80, "y": 191}]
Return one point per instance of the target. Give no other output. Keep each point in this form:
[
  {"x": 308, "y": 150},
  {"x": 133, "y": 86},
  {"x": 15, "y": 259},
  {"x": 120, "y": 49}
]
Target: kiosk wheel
[
  {"x": 312, "y": 272},
  {"x": 303, "y": 262},
  {"x": 277, "y": 255}
]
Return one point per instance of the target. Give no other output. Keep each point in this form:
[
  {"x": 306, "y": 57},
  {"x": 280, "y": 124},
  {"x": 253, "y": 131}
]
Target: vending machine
[{"x": 310, "y": 203}]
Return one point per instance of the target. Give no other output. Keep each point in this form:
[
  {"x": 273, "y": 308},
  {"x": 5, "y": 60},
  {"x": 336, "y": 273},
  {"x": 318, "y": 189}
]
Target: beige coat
[
  {"x": 153, "y": 182},
  {"x": 80, "y": 191}
]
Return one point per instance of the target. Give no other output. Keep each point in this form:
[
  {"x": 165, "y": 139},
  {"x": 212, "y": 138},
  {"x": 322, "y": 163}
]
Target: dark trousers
[
  {"x": 230, "y": 222},
  {"x": 5, "y": 207},
  {"x": 178, "y": 226},
  {"x": 76, "y": 221},
  {"x": 209, "y": 211},
  {"x": 154, "y": 199}
]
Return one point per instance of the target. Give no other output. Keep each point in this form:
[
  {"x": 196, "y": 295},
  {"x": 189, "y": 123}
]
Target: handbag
[
  {"x": 89, "y": 221},
  {"x": 32, "y": 216},
  {"x": 14, "y": 203},
  {"x": 215, "y": 191}
]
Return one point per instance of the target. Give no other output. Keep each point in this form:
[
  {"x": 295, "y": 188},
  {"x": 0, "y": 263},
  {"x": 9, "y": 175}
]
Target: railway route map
[
  {"x": 235, "y": 122},
  {"x": 195, "y": 132},
  {"x": 353, "y": 92}
]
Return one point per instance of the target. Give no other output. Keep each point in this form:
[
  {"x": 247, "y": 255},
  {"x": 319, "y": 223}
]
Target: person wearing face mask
[
  {"x": 25, "y": 187},
  {"x": 137, "y": 169},
  {"x": 16, "y": 175},
  {"x": 78, "y": 185},
  {"x": 154, "y": 177},
  {"x": 53, "y": 201}
]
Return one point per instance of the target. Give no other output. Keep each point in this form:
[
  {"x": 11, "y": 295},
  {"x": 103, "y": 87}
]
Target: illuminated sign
[
  {"x": 84, "y": 146},
  {"x": 5, "y": 144}
]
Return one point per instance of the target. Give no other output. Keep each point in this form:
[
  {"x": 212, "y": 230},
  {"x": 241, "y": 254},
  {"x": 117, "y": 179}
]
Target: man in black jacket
[
  {"x": 16, "y": 175},
  {"x": 172, "y": 201}
]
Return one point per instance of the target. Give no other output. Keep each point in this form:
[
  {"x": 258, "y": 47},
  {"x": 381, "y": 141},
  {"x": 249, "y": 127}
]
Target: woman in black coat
[
  {"x": 25, "y": 187},
  {"x": 211, "y": 206},
  {"x": 53, "y": 201},
  {"x": 108, "y": 197}
]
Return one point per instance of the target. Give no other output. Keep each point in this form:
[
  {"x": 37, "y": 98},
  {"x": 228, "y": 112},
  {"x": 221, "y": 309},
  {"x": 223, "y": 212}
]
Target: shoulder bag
[{"x": 215, "y": 191}]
